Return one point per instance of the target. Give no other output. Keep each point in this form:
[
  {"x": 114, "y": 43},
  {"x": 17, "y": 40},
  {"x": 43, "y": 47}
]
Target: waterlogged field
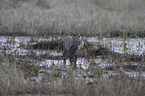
[
  {"x": 31, "y": 34},
  {"x": 38, "y": 66},
  {"x": 21, "y": 46},
  {"x": 22, "y": 43}
]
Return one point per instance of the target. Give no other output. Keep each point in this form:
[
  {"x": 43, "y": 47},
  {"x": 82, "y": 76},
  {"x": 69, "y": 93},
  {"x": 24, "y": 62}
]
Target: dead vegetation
[
  {"x": 23, "y": 75},
  {"x": 13, "y": 81},
  {"x": 18, "y": 75},
  {"x": 94, "y": 17}
]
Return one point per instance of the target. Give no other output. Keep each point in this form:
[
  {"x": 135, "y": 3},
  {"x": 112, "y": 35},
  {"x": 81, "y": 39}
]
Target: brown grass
[
  {"x": 93, "y": 17},
  {"x": 12, "y": 79},
  {"x": 15, "y": 81},
  {"x": 19, "y": 76}
]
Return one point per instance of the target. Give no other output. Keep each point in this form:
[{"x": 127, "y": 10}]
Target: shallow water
[
  {"x": 133, "y": 45},
  {"x": 13, "y": 45}
]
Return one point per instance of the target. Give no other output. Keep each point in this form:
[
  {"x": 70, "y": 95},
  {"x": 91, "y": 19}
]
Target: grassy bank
[{"x": 94, "y": 17}]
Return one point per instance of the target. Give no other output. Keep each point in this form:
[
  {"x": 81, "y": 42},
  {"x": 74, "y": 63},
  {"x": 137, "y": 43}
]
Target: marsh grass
[
  {"x": 12, "y": 79},
  {"x": 17, "y": 75},
  {"x": 93, "y": 17},
  {"x": 109, "y": 18}
]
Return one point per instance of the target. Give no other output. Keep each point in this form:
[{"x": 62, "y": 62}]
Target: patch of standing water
[
  {"x": 132, "y": 46},
  {"x": 84, "y": 64},
  {"x": 81, "y": 63},
  {"x": 135, "y": 74},
  {"x": 12, "y": 44}
]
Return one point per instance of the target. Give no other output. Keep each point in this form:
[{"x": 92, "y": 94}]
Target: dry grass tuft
[
  {"x": 119, "y": 85},
  {"x": 12, "y": 79}
]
